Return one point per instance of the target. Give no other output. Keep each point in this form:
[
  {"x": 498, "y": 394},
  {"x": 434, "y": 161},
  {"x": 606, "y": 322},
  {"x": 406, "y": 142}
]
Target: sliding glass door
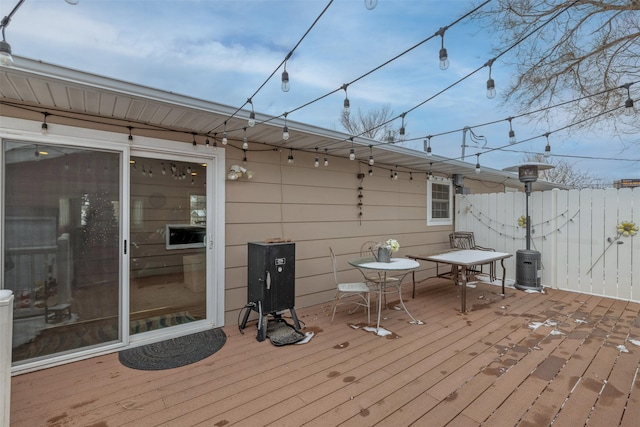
[
  {"x": 62, "y": 256},
  {"x": 168, "y": 241}
]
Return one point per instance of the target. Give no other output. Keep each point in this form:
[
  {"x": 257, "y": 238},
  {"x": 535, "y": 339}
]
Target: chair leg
[{"x": 335, "y": 305}]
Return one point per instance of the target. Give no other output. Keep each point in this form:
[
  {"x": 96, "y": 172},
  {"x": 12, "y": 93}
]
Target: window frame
[{"x": 431, "y": 221}]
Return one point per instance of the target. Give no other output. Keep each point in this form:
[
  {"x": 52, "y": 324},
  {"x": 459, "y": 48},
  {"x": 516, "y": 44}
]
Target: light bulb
[
  {"x": 326, "y": 159},
  {"x": 347, "y": 107},
  {"x": 252, "y": 119},
  {"x": 370, "y": 4},
  {"x": 285, "y": 132},
  {"x": 547, "y": 150},
  {"x": 245, "y": 144},
  {"x": 371, "y": 161},
  {"x": 491, "y": 89},
  {"x": 285, "y": 81},
  {"x": 232, "y": 176},
  {"x": 44, "y": 129},
  {"x": 224, "y": 138},
  {"x": 352, "y": 154},
  {"x": 444, "y": 59},
  {"x": 317, "y": 162},
  {"x": 512, "y": 137},
  {"x": 628, "y": 107},
  {"x": 290, "y": 158},
  {"x": 370, "y": 171},
  {"x": 6, "y": 59},
  {"x": 477, "y": 167}
]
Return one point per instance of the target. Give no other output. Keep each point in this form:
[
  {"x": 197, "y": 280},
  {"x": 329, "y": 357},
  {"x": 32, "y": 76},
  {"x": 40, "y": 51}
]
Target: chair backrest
[
  {"x": 335, "y": 265},
  {"x": 367, "y": 247},
  {"x": 462, "y": 240}
]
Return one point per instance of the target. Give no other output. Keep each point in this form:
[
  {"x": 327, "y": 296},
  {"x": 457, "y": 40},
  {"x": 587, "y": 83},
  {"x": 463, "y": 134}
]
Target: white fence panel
[{"x": 574, "y": 231}]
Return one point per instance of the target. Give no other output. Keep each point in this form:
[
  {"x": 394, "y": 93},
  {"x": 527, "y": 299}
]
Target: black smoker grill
[{"x": 271, "y": 282}]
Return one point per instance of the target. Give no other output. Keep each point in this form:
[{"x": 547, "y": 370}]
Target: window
[
  {"x": 198, "y": 205},
  {"x": 439, "y": 203}
]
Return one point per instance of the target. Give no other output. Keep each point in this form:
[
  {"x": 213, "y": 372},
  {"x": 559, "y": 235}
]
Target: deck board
[{"x": 485, "y": 367}]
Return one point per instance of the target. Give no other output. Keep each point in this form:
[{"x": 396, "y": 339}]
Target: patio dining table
[
  {"x": 395, "y": 266},
  {"x": 462, "y": 260}
]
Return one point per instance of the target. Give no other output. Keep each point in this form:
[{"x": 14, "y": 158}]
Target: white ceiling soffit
[{"x": 63, "y": 89}]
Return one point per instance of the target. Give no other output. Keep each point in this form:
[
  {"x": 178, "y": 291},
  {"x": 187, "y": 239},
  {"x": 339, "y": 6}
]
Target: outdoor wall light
[{"x": 236, "y": 172}]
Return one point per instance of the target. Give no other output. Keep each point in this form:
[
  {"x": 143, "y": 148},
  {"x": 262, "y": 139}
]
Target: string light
[
  {"x": 195, "y": 144},
  {"x": 430, "y": 174},
  {"x": 285, "y": 76},
  {"x": 285, "y": 129},
  {"x": 326, "y": 158},
  {"x": 628, "y": 104},
  {"x": 444, "y": 56},
  {"x": 370, "y": 4},
  {"x": 206, "y": 143},
  {"x": 478, "y": 163},
  {"x": 317, "y": 161},
  {"x": 224, "y": 134},
  {"x": 402, "y": 130},
  {"x": 130, "y": 136},
  {"x": 352, "y": 153},
  {"x": 410, "y": 176},
  {"x": 252, "y": 115},
  {"x": 512, "y": 134},
  {"x": 491, "y": 85},
  {"x": 370, "y": 171},
  {"x": 290, "y": 158},
  {"x": 427, "y": 146},
  {"x": 245, "y": 143},
  {"x": 547, "y": 149},
  {"x": 395, "y": 174},
  {"x": 44, "y": 129},
  {"x": 347, "y": 105},
  {"x": 215, "y": 140},
  {"x": 371, "y": 161}
]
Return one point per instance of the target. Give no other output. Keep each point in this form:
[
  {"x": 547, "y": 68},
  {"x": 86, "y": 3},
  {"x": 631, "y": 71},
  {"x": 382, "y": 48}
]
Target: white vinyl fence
[{"x": 575, "y": 231}]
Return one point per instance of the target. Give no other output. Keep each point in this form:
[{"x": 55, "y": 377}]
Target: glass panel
[
  {"x": 62, "y": 257},
  {"x": 439, "y": 201},
  {"x": 168, "y": 235}
]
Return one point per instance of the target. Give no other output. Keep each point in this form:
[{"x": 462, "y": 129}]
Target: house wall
[{"x": 316, "y": 208}]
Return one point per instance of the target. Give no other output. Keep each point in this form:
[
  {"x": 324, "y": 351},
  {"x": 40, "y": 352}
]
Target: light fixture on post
[
  {"x": 547, "y": 148},
  {"x": 252, "y": 115},
  {"x": 44, "y": 129},
  {"x": 512, "y": 134},
  {"x": 491, "y": 85},
  {"x": 402, "y": 129},
  {"x": 224, "y": 134},
  {"x": 245, "y": 143},
  {"x": 370, "y": 4},
  {"x": 285, "y": 129},
  {"x": 528, "y": 261},
  {"x": 444, "y": 56},
  {"x": 628, "y": 104},
  {"x": 478, "y": 163},
  {"x": 347, "y": 105},
  {"x": 427, "y": 146},
  {"x": 352, "y": 153}
]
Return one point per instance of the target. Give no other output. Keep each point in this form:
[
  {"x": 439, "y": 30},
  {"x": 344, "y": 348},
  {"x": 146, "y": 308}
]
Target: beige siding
[{"x": 317, "y": 208}]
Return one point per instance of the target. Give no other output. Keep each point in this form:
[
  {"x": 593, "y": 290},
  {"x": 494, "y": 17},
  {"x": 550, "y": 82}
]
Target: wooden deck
[{"x": 491, "y": 366}]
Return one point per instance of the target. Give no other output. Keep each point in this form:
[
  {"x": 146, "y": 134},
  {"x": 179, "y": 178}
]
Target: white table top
[
  {"x": 395, "y": 264},
  {"x": 467, "y": 257}
]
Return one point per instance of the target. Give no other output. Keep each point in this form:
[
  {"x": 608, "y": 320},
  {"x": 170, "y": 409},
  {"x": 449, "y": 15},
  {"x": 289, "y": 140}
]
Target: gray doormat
[
  {"x": 280, "y": 333},
  {"x": 175, "y": 352}
]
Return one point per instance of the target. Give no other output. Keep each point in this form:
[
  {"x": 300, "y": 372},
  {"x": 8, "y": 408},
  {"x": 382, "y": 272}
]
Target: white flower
[{"x": 392, "y": 244}]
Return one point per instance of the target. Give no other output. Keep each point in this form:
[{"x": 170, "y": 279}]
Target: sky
[{"x": 224, "y": 51}]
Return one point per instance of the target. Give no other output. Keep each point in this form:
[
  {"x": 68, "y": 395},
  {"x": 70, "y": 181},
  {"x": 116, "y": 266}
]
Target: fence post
[{"x": 6, "y": 335}]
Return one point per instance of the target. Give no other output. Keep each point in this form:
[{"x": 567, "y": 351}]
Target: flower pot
[{"x": 384, "y": 255}]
